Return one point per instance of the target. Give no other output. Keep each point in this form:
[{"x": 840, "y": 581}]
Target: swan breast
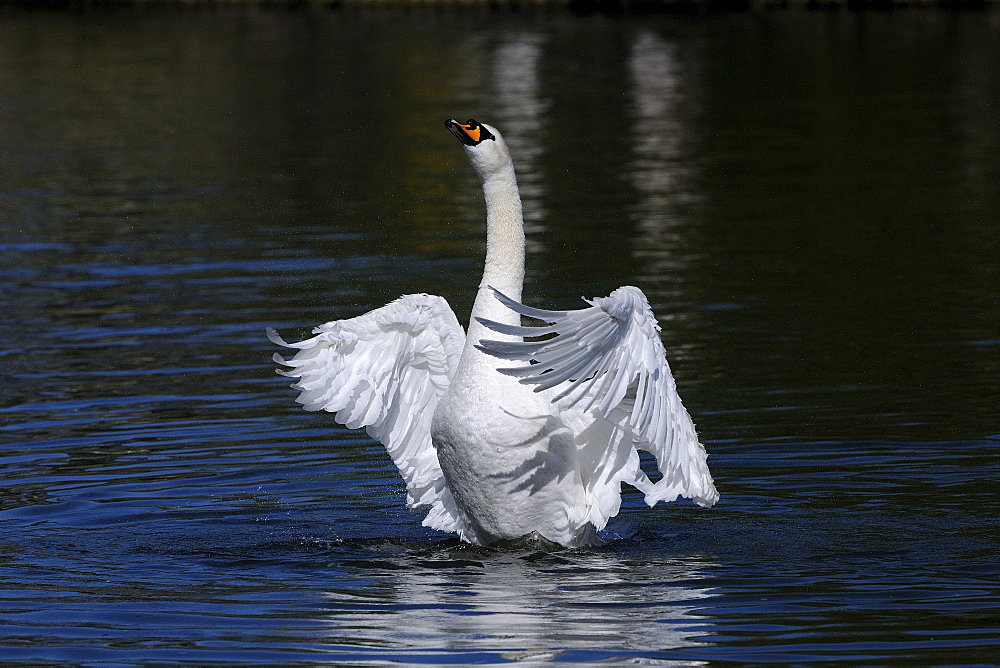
[{"x": 510, "y": 463}]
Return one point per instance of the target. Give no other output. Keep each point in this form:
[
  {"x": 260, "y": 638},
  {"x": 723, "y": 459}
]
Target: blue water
[{"x": 809, "y": 200}]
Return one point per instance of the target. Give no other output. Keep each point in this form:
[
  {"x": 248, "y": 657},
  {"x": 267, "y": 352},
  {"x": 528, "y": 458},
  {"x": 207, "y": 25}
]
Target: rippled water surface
[{"x": 810, "y": 200}]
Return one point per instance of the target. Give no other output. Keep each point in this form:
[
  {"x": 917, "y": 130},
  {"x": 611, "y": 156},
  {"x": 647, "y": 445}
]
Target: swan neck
[{"x": 504, "y": 268}]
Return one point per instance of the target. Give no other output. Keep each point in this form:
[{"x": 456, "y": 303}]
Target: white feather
[
  {"x": 610, "y": 356},
  {"x": 539, "y": 449},
  {"x": 386, "y": 371}
]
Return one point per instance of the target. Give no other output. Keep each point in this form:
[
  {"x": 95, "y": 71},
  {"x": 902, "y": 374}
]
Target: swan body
[{"x": 493, "y": 451}]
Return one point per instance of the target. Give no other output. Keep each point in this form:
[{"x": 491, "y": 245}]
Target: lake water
[{"x": 809, "y": 199}]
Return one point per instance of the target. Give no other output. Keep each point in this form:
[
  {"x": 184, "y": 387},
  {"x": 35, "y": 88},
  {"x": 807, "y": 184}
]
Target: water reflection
[
  {"x": 657, "y": 130},
  {"x": 529, "y": 606},
  {"x": 176, "y": 181},
  {"x": 657, "y": 170},
  {"x": 520, "y": 113}
]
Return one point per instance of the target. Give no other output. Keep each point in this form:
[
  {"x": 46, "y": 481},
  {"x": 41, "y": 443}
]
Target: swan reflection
[{"x": 525, "y": 605}]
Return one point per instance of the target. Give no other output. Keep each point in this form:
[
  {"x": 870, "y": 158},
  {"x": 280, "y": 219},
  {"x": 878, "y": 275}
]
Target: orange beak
[{"x": 470, "y": 133}]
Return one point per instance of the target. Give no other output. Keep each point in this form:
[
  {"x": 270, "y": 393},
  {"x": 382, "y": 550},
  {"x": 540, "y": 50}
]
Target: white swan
[{"x": 497, "y": 452}]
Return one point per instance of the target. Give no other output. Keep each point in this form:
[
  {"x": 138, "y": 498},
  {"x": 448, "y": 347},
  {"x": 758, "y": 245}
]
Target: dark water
[{"x": 810, "y": 200}]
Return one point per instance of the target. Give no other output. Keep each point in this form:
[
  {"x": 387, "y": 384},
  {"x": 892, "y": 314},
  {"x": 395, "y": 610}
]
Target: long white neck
[
  {"x": 504, "y": 236},
  {"x": 504, "y": 251}
]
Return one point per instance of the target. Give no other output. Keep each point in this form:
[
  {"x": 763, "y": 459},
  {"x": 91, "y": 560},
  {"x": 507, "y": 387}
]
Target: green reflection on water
[{"x": 809, "y": 199}]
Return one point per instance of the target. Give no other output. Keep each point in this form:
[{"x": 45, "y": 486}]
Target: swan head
[{"x": 485, "y": 147}]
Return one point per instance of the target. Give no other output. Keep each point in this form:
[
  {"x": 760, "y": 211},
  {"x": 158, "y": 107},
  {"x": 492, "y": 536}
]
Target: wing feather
[
  {"x": 607, "y": 361},
  {"x": 386, "y": 371}
]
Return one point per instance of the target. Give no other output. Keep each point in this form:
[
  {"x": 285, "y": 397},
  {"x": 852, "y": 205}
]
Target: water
[{"x": 809, "y": 199}]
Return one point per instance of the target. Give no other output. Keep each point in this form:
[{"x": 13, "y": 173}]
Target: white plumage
[{"x": 494, "y": 451}]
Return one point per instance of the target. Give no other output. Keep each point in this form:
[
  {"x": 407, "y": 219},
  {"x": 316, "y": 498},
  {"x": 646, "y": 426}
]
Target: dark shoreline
[{"x": 582, "y": 6}]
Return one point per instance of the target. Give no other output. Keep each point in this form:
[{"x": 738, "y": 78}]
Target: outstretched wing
[
  {"x": 386, "y": 371},
  {"x": 606, "y": 366}
]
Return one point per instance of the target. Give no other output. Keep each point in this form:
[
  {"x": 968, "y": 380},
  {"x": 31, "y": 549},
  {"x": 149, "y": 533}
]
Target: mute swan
[{"x": 493, "y": 451}]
